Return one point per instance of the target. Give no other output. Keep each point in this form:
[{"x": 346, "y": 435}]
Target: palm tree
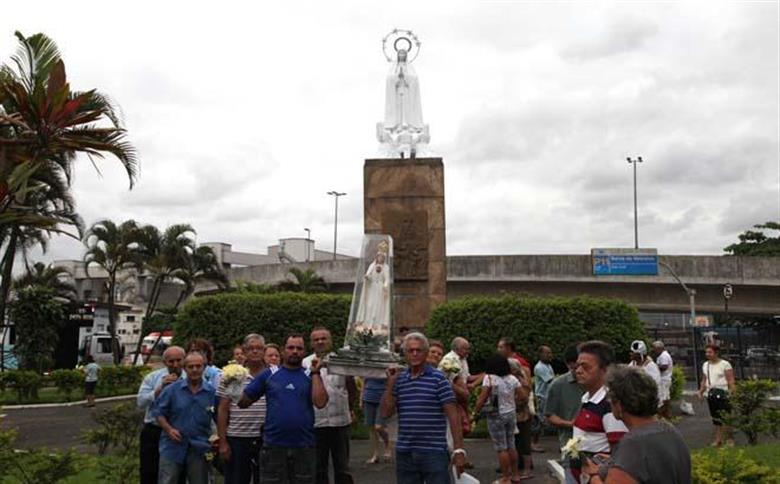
[
  {"x": 113, "y": 248},
  {"x": 201, "y": 266},
  {"x": 56, "y": 278},
  {"x": 305, "y": 281},
  {"x": 49, "y": 209},
  {"x": 44, "y": 126},
  {"x": 163, "y": 256}
]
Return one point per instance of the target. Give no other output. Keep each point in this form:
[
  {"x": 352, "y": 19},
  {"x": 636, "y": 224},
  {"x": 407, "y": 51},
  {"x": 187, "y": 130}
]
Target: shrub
[
  {"x": 224, "y": 319},
  {"x": 37, "y": 466},
  {"x": 533, "y": 321},
  {"x": 119, "y": 468},
  {"x": 750, "y": 410},
  {"x": 118, "y": 428},
  {"x": 25, "y": 382},
  {"x": 66, "y": 381},
  {"x": 678, "y": 384},
  {"x": 727, "y": 466}
]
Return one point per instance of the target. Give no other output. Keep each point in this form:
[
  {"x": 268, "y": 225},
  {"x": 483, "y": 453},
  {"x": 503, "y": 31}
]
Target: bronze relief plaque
[{"x": 409, "y": 229}]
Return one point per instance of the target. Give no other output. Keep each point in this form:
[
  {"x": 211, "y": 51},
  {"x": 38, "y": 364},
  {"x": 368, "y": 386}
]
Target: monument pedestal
[{"x": 404, "y": 198}]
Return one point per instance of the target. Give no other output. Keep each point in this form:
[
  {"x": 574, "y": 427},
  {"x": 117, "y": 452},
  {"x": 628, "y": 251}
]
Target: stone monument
[{"x": 403, "y": 189}]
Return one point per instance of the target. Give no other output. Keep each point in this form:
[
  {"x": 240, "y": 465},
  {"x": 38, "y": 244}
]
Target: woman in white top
[
  {"x": 717, "y": 383},
  {"x": 500, "y": 391}
]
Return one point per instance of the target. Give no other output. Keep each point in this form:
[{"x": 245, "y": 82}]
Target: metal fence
[{"x": 752, "y": 351}]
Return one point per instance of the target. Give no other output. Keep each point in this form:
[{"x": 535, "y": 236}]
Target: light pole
[
  {"x": 336, "y": 195},
  {"x": 692, "y": 301},
  {"x": 308, "y": 244},
  {"x": 636, "y": 223},
  {"x": 728, "y": 292}
]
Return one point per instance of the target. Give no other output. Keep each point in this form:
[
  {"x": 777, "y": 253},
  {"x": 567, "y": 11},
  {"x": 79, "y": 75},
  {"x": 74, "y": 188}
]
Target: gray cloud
[{"x": 245, "y": 117}]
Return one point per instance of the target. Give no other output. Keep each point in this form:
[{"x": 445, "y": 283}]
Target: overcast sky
[{"x": 246, "y": 113}]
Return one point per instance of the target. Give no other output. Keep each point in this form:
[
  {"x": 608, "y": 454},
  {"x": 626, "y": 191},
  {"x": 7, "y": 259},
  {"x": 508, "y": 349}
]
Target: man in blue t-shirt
[{"x": 288, "y": 438}]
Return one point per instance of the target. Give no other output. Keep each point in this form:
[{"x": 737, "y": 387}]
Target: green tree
[
  {"x": 201, "y": 265},
  {"x": 37, "y": 316},
  {"x": 44, "y": 126},
  {"x": 756, "y": 242},
  {"x": 113, "y": 248},
  {"x": 305, "y": 281},
  {"x": 163, "y": 255},
  {"x": 56, "y": 278}
]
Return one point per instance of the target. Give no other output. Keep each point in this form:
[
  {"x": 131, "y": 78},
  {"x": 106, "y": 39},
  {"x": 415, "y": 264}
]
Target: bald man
[{"x": 150, "y": 389}]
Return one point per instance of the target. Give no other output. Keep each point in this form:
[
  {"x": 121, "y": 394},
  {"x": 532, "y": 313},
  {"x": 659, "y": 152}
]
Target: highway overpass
[{"x": 756, "y": 280}]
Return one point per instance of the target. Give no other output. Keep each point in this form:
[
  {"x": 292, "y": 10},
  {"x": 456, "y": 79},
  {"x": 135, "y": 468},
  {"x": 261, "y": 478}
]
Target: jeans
[
  {"x": 195, "y": 468},
  {"x": 422, "y": 467},
  {"x": 333, "y": 442},
  {"x": 244, "y": 460},
  {"x": 283, "y": 465},
  {"x": 150, "y": 453}
]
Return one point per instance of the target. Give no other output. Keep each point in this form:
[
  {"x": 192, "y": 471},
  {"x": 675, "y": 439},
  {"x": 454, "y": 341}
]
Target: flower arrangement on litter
[
  {"x": 450, "y": 364},
  {"x": 572, "y": 448},
  {"x": 233, "y": 375}
]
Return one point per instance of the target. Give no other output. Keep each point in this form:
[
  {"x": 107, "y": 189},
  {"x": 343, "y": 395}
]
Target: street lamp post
[
  {"x": 308, "y": 244},
  {"x": 636, "y": 223},
  {"x": 336, "y": 195},
  {"x": 728, "y": 292},
  {"x": 692, "y": 301}
]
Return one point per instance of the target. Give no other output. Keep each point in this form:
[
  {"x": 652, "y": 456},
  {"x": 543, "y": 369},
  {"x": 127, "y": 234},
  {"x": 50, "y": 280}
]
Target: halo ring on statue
[
  {"x": 393, "y": 38},
  {"x": 400, "y": 39}
]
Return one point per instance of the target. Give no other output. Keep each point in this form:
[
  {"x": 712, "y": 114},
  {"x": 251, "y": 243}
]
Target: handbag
[
  {"x": 491, "y": 406},
  {"x": 715, "y": 395}
]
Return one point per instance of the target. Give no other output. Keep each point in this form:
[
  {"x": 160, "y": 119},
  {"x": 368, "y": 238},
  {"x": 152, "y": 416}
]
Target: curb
[{"x": 65, "y": 404}]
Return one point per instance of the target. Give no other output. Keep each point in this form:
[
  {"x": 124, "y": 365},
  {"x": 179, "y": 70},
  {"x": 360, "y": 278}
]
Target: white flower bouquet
[
  {"x": 450, "y": 365},
  {"x": 233, "y": 375},
  {"x": 572, "y": 448}
]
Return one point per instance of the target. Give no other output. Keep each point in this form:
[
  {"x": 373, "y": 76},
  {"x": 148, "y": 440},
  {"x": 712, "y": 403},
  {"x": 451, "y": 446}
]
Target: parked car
[{"x": 762, "y": 356}]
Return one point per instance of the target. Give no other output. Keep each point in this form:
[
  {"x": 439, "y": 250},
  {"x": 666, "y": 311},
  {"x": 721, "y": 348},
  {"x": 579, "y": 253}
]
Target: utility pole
[
  {"x": 636, "y": 222},
  {"x": 728, "y": 292},
  {"x": 336, "y": 195}
]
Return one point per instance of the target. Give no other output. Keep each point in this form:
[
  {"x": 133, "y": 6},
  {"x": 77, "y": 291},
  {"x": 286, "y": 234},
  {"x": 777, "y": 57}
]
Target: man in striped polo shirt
[
  {"x": 425, "y": 403},
  {"x": 594, "y": 424},
  {"x": 240, "y": 429}
]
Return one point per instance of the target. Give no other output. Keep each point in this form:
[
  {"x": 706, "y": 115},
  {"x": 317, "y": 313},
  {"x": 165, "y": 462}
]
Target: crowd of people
[{"x": 291, "y": 421}]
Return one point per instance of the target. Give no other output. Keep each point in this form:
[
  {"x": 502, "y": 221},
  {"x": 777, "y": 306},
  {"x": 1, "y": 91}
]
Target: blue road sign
[{"x": 623, "y": 262}]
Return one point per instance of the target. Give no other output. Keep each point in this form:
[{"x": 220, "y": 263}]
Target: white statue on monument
[
  {"x": 373, "y": 312},
  {"x": 403, "y": 130}
]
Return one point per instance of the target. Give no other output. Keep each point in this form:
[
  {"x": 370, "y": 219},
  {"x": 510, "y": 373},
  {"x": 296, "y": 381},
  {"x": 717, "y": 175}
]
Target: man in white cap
[
  {"x": 664, "y": 361},
  {"x": 640, "y": 358}
]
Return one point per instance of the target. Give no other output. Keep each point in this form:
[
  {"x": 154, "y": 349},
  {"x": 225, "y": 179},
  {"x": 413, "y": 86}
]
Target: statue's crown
[{"x": 383, "y": 247}]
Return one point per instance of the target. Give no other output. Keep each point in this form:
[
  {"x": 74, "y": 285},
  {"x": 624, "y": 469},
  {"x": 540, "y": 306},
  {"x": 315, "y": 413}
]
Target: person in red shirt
[{"x": 506, "y": 347}]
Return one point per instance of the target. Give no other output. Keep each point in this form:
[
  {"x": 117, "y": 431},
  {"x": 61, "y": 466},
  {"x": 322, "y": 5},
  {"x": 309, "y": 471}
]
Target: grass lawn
[
  {"x": 767, "y": 454},
  {"x": 51, "y": 395}
]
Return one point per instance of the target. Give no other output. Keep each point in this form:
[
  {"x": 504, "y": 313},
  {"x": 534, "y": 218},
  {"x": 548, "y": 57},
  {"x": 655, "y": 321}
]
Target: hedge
[
  {"x": 224, "y": 319},
  {"x": 532, "y": 321}
]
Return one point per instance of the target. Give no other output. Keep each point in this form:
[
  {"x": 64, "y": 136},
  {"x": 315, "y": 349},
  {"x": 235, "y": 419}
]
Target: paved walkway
[{"x": 62, "y": 427}]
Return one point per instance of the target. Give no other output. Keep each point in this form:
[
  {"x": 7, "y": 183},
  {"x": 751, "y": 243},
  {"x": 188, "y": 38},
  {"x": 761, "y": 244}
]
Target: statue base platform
[{"x": 362, "y": 363}]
